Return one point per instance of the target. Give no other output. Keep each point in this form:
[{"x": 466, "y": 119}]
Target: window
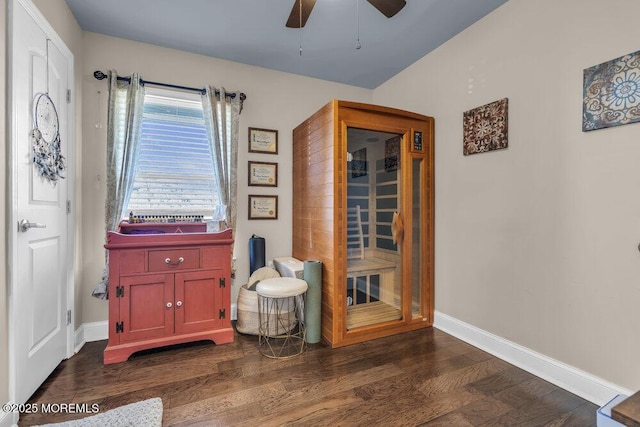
[{"x": 174, "y": 172}]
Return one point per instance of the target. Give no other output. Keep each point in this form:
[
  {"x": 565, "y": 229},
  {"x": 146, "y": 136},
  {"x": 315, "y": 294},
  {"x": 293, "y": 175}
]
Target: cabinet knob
[
  {"x": 178, "y": 303},
  {"x": 169, "y": 305}
]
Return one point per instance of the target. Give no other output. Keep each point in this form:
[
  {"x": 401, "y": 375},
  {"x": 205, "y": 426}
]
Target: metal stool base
[{"x": 282, "y": 331}]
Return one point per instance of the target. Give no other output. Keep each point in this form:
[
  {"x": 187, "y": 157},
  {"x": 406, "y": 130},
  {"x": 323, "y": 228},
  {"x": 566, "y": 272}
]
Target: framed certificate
[
  {"x": 263, "y": 207},
  {"x": 263, "y": 174},
  {"x": 263, "y": 141}
]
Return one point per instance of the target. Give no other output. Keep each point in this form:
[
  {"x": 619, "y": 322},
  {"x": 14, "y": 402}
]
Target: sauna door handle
[{"x": 397, "y": 228}]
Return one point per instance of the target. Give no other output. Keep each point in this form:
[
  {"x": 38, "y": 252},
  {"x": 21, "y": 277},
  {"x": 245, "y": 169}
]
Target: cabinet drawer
[
  {"x": 174, "y": 259},
  {"x": 130, "y": 261}
]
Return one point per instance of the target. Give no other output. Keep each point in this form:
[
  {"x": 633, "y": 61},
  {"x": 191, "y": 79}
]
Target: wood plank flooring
[{"x": 421, "y": 378}]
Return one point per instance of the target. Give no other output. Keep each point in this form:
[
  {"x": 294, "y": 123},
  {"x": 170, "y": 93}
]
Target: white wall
[
  {"x": 275, "y": 100},
  {"x": 537, "y": 243}
]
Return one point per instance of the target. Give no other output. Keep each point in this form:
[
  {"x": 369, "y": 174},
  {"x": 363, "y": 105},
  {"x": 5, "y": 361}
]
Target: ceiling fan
[{"x": 297, "y": 20}]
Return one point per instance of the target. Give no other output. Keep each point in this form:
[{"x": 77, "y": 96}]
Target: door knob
[
  {"x": 178, "y": 303},
  {"x": 25, "y": 225}
]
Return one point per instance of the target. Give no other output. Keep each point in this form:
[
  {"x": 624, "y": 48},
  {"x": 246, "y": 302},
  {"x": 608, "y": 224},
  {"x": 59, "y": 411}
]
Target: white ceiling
[{"x": 253, "y": 32}]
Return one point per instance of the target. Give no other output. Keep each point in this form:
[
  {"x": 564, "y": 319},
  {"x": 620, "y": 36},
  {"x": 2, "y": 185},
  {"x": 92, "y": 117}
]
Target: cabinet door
[
  {"x": 199, "y": 301},
  {"x": 146, "y": 309}
]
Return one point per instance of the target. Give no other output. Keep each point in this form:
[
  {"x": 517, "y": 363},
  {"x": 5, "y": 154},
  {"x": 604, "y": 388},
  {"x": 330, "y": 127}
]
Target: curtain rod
[{"x": 101, "y": 76}]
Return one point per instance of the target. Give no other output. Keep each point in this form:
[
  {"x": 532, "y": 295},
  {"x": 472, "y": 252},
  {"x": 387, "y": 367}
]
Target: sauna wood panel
[
  {"x": 319, "y": 220},
  {"x": 313, "y": 247},
  {"x": 321, "y": 169},
  {"x": 313, "y": 189},
  {"x": 321, "y": 156},
  {"x": 306, "y": 214}
]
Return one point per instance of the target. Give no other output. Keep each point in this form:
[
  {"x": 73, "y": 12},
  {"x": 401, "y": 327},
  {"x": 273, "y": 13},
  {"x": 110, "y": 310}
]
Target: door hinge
[
  {"x": 119, "y": 327},
  {"x": 223, "y": 282},
  {"x": 222, "y": 313},
  {"x": 68, "y": 96},
  {"x": 68, "y": 207},
  {"x": 119, "y": 291},
  {"x": 68, "y": 317}
]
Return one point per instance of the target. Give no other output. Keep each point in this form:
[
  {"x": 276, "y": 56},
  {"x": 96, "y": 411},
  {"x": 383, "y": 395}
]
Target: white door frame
[{"x": 12, "y": 229}]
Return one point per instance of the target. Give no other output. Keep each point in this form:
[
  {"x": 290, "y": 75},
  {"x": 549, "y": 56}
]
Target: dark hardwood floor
[{"x": 420, "y": 378}]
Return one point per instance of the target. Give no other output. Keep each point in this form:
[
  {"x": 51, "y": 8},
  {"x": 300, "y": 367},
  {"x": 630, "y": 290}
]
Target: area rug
[{"x": 146, "y": 413}]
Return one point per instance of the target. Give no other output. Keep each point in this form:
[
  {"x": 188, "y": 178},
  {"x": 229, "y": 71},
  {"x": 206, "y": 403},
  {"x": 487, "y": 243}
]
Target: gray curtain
[
  {"x": 124, "y": 121},
  {"x": 126, "y": 104},
  {"x": 221, "y": 114}
]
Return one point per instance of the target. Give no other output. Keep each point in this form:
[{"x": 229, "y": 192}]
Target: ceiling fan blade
[
  {"x": 388, "y": 7},
  {"x": 294, "y": 20}
]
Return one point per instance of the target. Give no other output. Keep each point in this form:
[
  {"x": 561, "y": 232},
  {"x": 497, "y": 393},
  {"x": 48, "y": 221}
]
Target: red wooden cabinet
[{"x": 167, "y": 289}]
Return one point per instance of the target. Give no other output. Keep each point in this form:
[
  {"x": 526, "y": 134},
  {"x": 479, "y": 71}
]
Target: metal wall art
[
  {"x": 392, "y": 153},
  {"x": 485, "y": 128},
  {"x": 611, "y": 93},
  {"x": 359, "y": 163}
]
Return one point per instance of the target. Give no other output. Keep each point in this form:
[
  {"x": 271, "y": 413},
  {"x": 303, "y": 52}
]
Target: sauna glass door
[{"x": 374, "y": 269}]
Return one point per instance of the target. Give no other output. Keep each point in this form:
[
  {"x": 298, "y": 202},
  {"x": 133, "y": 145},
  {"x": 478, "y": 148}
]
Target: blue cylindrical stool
[{"x": 281, "y": 330}]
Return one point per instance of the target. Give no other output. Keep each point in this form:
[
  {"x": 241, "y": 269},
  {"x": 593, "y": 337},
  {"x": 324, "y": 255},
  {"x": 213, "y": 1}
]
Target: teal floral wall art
[{"x": 611, "y": 93}]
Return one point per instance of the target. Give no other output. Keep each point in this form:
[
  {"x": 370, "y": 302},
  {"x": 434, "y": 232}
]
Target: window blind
[{"x": 174, "y": 168}]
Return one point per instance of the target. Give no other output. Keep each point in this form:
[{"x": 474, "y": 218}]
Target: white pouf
[
  {"x": 281, "y": 287},
  {"x": 281, "y": 300}
]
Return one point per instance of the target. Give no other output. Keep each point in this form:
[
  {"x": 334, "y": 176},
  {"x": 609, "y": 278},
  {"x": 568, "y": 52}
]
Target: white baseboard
[
  {"x": 88, "y": 332},
  {"x": 581, "y": 383},
  {"x": 234, "y": 311},
  {"x": 92, "y": 331},
  {"x": 78, "y": 339}
]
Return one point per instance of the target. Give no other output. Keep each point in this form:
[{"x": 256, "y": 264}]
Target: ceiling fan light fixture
[
  {"x": 300, "y": 13},
  {"x": 388, "y": 8},
  {"x": 302, "y": 9}
]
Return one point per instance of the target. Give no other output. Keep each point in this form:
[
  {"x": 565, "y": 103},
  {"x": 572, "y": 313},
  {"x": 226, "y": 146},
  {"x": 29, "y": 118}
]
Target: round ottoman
[{"x": 281, "y": 330}]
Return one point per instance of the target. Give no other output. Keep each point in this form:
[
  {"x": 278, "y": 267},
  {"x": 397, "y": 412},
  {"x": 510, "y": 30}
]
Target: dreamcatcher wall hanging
[{"x": 45, "y": 136}]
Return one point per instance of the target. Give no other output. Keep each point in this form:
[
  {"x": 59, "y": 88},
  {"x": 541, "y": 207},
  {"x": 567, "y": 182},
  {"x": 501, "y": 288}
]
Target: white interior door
[{"x": 40, "y": 264}]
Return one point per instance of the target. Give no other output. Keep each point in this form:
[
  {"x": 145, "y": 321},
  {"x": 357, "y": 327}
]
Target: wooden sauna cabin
[{"x": 363, "y": 204}]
